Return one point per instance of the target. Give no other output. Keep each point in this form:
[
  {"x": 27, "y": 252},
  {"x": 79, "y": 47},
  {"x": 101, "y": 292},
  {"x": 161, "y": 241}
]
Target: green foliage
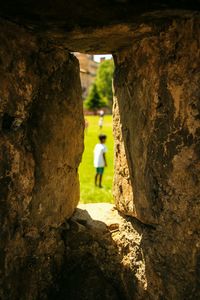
[
  {"x": 94, "y": 100},
  {"x": 88, "y": 191},
  {"x": 104, "y": 81},
  {"x": 100, "y": 94}
]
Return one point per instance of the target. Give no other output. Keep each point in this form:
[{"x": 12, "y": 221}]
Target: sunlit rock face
[
  {"x": 157, "y": 88},
  {"x": 41, "y": 143},
  {"x": 122, "y": 187}
]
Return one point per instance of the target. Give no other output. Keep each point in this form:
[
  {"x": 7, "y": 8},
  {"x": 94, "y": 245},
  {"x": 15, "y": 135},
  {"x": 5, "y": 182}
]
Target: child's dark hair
[{"x": 102, "y": 137}]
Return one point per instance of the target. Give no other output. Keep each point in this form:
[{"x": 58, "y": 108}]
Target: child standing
[{"x": 100, "y": 159}]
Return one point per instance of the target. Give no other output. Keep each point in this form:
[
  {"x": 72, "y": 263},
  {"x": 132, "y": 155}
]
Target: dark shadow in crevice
[{"x": 92, "y": 267}]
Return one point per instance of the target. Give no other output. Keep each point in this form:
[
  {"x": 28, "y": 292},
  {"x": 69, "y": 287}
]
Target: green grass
[{"x": 88, "y": 191}]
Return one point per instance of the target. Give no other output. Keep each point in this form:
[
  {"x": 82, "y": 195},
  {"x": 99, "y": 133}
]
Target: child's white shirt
[{"x": 99, "y": 150}]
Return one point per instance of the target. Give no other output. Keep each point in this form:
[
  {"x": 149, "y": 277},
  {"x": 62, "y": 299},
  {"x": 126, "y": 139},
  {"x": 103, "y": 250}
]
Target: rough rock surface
[
  {"x": 41, "y": 142},
  {"x": 122, "y": 188},
  {"x": 103, "y": 257},
  {"x": 87, "y": 25},
  {"x": 157, "y": 88}
]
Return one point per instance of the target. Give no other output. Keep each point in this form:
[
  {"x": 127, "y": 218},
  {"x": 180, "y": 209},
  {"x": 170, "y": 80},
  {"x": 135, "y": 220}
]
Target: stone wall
[
  {"x": 157, "y": 88},
  {"x": 156, "y": 50},
  {"x": 41, "y": 143},
  {"x": 122, "y": 188}
]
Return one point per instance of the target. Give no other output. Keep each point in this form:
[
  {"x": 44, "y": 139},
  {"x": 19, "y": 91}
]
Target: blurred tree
[
  {"x": 104, "y": 81},
  {"x": 100, "y": 94},
  {"x": 94, "y": 100}
]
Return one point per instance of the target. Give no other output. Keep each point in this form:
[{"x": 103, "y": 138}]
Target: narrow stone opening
[
  {"x": 97, "y": 260},
  {"x": 95, "y": 174}
]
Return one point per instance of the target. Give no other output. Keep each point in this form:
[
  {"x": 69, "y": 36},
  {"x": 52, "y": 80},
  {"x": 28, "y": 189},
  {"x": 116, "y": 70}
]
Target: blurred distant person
[
  {"x": 100, "y": 122},
  {"x": 101, "y": 113},
  {"x": 100, "y": 159}
]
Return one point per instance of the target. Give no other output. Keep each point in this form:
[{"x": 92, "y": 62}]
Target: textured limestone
[
  {"x": 122, "y": 188},
  {"x": 87, "y": 25},
  {"x": 56, "y": 133},
  {"x": 41, "y": 142},
  {"x": 157, "y": 88}
]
